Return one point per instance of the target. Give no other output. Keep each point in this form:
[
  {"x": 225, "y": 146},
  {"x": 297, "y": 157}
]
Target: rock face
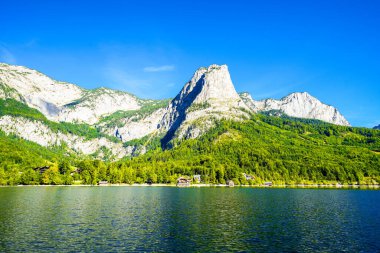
[
  {"x": 41, "y": 134},
  {"x": 96, "y": 103},
  {"x": 300, "y": 105},
  {"x": 208, "y": 97},
  {"x": 60, "y": 101},
  {"x": 36, "y": 90},
  {"x": 134, "y": 127},
  {"x": 377, "y": 127},
  {"x": 209, "y": 94}
]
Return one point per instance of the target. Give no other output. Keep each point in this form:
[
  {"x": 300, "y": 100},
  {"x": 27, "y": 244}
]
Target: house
[
  {"x": 268, "y": 183},
  {"x": 248, "y": 177},
  {"x": 103, "y": 183},
  {"x": 41, "y": 170},
  {"x": 197, "y": 178},
  {"x": 230, "y": 183},
  {"x": 183, "y": 182}
]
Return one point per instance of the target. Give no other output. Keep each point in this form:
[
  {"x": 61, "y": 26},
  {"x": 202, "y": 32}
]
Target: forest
[{"x": 283, "y": 150}]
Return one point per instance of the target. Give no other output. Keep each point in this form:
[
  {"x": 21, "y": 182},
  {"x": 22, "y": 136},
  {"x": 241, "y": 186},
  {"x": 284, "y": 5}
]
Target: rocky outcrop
[
  {"x": 135, "y": 127},
  {"x": 96, "y": 103},
  {"x": 37, "y": 90},
  {"x": 208, "y": 97},
  {"x": 300, "y": 105},
  {"x": 209, "y": 94},
  {"x": 41, "y": 134},
  {"x": 377, "y": 127},
  {"x": 60, "y": 101}
]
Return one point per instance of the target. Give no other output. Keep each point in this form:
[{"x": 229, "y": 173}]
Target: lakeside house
[
  {"x": 197, "y": 178},
  {"x": 103, "y": 183},
  {"x": 268, "y": 183},
  {"x": 230, "y": 183},
  {"x": 183, "y": 182}
]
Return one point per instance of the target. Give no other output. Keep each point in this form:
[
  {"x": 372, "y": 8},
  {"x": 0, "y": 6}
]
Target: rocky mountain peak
[
  {"x": 36, "y": 89},
  {"x": 211, "y": 85},
  {"x": 300, "y": 105},
  {"x": 300, "y": 98},
  {"x": 377, "y": 127},
  {"x": 216, "y": 85},
  {"x": 210, "y": 93},
  {"x": 61, "y": 101}
]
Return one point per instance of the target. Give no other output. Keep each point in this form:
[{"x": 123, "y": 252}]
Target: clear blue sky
[{"x": 330, "y": 49}]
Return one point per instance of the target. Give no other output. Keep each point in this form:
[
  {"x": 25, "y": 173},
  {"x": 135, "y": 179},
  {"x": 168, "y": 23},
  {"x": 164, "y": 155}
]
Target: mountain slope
[
  {"x": 377, "y": 127},
  {"x": 301, "y": 105},
  {"x": 207, "y": 129},
  {"x": 36, "y": 90},
  {"x": 18, "y": 119},
  {"x": 209, "y": 95},
  {"x": 276, "y": 149},
  {"x": 97, "y": 103},
  {"x": 60, "y": 101},
  {"x": 98, "y": 121},
  {"x": 269, "y": 148}
]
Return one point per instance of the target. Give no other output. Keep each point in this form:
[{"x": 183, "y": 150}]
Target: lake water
[{"x": 170, "y": 219}]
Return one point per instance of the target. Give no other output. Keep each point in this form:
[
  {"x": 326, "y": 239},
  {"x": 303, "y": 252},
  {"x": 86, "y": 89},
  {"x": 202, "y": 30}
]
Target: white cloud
[
  {"x": 6, "y": 56},
  {"x": 159, "y": 68}
]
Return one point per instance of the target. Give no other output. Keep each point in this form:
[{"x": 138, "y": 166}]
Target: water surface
[{"x": 167, "y": 219}]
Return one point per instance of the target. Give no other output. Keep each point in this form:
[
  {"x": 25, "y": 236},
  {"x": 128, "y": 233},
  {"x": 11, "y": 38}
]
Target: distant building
[
  {"x": 230, "y": 183},
  {"x": 248, "y": 177},
  {"x": 103, "y": 183},
  {"x": 197, "y": 178},
  {"x": 268, "y": 183},
  {"x": 41, "y": 170},
  {"x": 183, "y": 182}
]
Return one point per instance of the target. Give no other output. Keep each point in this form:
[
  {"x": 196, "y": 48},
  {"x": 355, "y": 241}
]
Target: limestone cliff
[
  {"x": 300, "y": 105},
  {"x": 208, "y": 96}
]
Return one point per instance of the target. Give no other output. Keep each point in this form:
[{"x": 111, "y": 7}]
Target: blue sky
[{"x": 330, "y": 49}]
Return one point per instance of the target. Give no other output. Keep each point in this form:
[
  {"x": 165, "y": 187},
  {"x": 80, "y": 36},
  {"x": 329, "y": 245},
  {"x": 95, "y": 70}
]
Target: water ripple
[{"x": 167, "y": 219}]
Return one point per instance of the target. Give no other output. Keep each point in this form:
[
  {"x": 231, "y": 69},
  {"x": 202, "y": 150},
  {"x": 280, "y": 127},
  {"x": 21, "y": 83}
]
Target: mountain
[
  {"x": 300, "y": 105},
  {"x": 94, "y": 115},
  {"x": 93, "y": 104},
  {"x": 377, "y": 127},
  {"x": 36, "y": 90},
  {"x": 208, "y": 96},
  {"x": 61, "y": 101},
  {"x": 106, "y": 123},
  {"x": 53, "y": 132}
]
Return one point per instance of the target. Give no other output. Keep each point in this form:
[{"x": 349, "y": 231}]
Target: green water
[{"x": 169, "y": 219}]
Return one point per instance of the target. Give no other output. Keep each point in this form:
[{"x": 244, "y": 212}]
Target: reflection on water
[{"x": 167, "y": 219}]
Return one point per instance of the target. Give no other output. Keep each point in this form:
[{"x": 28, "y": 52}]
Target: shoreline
[{"x": 296, "y": 186}]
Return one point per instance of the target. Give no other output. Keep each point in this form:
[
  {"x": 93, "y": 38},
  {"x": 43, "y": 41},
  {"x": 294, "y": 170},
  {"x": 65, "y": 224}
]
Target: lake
[{"x": 168, "y": 219}]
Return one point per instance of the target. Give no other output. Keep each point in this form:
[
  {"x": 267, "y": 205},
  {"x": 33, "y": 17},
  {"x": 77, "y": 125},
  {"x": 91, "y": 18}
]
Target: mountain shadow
[{"x": 179, "y": 106}]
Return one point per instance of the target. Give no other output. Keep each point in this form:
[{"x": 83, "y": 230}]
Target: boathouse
[
  {"x": 268, "y": 183},
  {"x": 230, "y": 183},
  {"x": 183, "y": 182},
  {"x": 103, "y": 183}
]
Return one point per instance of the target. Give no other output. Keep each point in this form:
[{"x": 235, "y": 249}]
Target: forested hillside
[{"x": 279, "y": 149}]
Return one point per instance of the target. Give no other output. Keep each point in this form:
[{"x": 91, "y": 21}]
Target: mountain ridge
[
  {"x": 298, "y": 104},
  {"x": 208, "y": 129},
  {"x": 207, "y": 98}
]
